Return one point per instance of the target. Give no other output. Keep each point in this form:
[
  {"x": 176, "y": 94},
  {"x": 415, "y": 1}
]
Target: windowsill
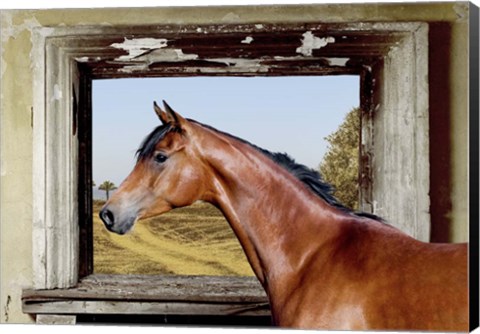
[{"x": 139, "y": 294}]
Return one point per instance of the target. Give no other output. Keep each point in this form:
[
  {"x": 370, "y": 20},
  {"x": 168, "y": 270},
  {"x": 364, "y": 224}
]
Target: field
[{"x": 195, "y": 240}]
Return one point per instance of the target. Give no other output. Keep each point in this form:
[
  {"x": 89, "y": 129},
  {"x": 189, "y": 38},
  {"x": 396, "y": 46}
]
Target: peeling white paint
[
  {"x": 87, "y": 59},
  {"x": 236, "y": 62},
  {"x": 338, "y": 61},
  {"x": 247, "y": 40},
  {"x": 57, "y": 93},
  {"x": 138, "y": 46},
  {"x": 235, "y": 65},
  {"x": 287, "y": 58},
  {"x": 259, "y": 26},
  {"x": 156, "y": 56},
  {"x": 200, "y": 30},
  {"x": 133, "y": 68},
  {"x": 232, "y": 69},
  {"x": 166, "y": 55},
  {"x": 332, "y": 61},
  {"x": 311, "y": 42},
  {"x": 146, "y": 51},
  {"x": 368, "y": 68},
  {"x": 82, "y": 59}
]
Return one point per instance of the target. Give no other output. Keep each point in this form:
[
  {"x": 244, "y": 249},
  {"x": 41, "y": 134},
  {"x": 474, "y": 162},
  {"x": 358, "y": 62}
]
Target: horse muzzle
[{"x": 114, "y": 224}]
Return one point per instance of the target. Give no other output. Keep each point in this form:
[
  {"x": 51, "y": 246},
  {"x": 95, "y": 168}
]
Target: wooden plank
[
  {"x": 138, "y": 294},
  {"x": 157, "y": 288},
  {"x": 146, "y": 308},
  {"x": 54, "y": 319},
  {"x": 401, "y": 127},
  {"x": 83, "y": 106}
]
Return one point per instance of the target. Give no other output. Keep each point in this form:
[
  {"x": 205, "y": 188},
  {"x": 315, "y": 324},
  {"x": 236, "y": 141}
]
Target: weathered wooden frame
[
  {"x": 149, "y": 295},
  {"x": 391, "y": 59}
]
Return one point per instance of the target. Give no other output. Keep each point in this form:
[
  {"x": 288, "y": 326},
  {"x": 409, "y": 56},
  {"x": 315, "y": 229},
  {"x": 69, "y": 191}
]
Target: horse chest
[
  {"x": 312, "y": 313},
  {"x": 335, "y": 306}
]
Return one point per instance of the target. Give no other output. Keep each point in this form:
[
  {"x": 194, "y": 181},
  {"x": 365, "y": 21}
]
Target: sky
[{"x": 280, "y": 114}]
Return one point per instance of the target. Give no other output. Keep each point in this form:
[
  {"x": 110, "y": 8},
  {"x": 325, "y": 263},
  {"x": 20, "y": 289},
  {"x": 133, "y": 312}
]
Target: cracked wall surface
[{"x": 16, "y": 100}]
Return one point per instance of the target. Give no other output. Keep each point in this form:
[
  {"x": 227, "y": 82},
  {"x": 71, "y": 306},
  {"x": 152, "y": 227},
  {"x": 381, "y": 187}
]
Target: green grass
[{"x": 194, "y": 240}]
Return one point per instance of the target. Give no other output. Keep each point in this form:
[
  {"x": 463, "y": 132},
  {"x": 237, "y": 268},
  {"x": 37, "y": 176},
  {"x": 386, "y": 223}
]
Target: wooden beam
[
  {"x": 54, "y": 319},
  {"x": 139, "y": 294},
  {"x": 145, "y": 308}
]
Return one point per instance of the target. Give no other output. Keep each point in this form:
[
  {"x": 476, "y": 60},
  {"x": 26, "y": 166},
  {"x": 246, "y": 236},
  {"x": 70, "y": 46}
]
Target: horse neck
[{"x": 278, "y": 221}]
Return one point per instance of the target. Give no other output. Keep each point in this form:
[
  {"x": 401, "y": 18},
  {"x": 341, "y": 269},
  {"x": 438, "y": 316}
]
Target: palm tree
[{"x": 107, "y": 186}]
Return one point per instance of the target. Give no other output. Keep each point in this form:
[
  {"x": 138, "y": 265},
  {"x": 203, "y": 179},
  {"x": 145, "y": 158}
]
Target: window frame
[{"x": 394, "y": 91}]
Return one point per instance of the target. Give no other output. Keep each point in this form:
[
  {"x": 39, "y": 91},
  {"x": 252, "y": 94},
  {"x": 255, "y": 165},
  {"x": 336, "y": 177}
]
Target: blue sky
[{"x": 286, "y": 114}]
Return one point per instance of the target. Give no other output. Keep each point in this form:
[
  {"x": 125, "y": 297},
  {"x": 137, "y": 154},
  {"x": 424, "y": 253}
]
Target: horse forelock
[{"x": 147, "y": 147}]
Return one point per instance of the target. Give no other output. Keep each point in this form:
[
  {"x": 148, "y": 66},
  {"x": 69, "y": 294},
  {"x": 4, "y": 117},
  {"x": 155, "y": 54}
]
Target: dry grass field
[{"x": 195, "y": 240}]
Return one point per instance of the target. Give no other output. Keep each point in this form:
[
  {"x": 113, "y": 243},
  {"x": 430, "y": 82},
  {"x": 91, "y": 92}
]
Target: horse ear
[
  {"x": 160, "y": 113},
  {"x": 172, "y": 116}
]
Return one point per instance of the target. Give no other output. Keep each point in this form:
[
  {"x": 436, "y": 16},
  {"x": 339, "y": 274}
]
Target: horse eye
[{"x": 160, "y": 158}]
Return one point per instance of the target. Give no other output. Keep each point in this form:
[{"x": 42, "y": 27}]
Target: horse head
[{"x": 168, "y": 174}]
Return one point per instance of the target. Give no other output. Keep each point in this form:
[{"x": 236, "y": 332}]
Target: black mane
[
  {"x": 313, "y": 180},
  {"x": 310, "y": 177}
]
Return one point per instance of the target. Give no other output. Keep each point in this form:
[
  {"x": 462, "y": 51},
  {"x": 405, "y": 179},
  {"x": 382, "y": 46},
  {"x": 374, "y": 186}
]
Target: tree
[
  {"x": 339, "y": 166},
  {"x": 107, "y": 186}
]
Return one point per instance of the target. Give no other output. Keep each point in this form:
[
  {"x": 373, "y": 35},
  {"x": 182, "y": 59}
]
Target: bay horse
[{"x": 322, "y": 265}]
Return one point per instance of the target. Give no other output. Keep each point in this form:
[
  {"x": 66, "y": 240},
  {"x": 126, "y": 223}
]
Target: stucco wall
[{"x": 449, "y": 127}]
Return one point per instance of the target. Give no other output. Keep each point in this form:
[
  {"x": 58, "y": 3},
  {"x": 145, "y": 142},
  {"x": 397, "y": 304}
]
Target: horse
[{"x": 322, "y": 265}]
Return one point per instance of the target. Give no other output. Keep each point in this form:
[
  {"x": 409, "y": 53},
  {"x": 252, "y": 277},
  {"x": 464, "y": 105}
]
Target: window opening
[
  {"x": 292, "y": 114},
  {"x": 69, "y": 58}
]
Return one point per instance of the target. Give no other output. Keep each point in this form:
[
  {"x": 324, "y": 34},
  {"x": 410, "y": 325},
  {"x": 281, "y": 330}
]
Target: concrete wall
[{"x": 448, "y": 39}]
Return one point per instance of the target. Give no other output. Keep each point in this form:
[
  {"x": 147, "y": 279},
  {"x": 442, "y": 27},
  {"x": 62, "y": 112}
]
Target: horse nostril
[{"x": 107, "y": 217}]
